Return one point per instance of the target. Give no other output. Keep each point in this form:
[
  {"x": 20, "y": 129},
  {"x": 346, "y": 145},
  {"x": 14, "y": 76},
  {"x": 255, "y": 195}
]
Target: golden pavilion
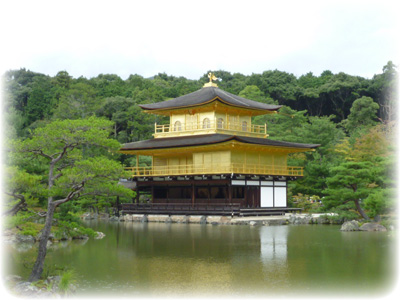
[{"x": 211, "y": 159}]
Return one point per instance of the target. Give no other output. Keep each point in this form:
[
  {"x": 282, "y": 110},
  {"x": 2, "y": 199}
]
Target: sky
[{"x": 189, "y": 38}]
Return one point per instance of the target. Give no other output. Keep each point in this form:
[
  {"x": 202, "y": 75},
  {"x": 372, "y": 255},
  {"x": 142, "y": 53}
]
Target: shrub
[
  {"x": 306, "y": 202},
  {"x": 67, "y": 278},
  {"x": 380, "y": 201},
  {"x": 343, "y": 216},
  {"x": 72, "y": 229},
  {"x": 17, "y": 220},
  {"x": 30, "y": 228}
]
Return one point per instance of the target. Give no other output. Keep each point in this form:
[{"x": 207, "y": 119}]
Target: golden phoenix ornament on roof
[{"x": 212, "y": 77}]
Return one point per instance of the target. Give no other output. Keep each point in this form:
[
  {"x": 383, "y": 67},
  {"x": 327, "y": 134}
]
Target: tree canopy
[{"x": 66, "y": 147}]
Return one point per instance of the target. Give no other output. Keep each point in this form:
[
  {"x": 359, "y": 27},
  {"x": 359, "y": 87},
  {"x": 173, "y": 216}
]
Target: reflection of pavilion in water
[
  {"x": 174, "y": 256},
  {"x": 273, "y": 252},
  {"x": 273, "y": 243}
]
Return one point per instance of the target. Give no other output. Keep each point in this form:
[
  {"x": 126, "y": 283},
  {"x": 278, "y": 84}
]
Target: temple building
[{"x": 211, "y": 159}]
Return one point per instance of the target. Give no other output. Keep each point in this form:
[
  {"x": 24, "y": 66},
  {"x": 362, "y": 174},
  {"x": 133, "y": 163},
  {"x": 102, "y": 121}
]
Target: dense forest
[{"x": 353, "y": 118}]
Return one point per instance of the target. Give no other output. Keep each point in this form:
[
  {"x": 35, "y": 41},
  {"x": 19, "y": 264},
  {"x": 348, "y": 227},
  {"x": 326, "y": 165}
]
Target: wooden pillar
[
  {"x": 245, "y": 195},
  {"x": 209, "y": 193},
  {"x": 137, "y": 196},
  {"x": 193, "y": 194},
  {"x": 137, "y": 164},
  {"x": 230, "y": 192},
  {"x": 117, "y": 203},
  {"x": 273, "y": 192},
  {"x": 286, "y": 192},
  {"x": 167, "y": 193}
]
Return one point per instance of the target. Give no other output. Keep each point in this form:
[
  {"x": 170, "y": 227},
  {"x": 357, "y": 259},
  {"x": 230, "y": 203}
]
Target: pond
[{"x": 159, "y": 259}]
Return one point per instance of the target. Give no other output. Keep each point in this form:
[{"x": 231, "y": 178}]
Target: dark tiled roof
[
  {"x": 206, "y": 139},
  {"x": 207, "y": 94}
]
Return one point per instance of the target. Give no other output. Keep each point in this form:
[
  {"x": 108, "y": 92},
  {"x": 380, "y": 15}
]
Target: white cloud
[{"x": 190, "y": 37}]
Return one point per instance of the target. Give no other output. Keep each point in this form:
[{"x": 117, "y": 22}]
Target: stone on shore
[
  {"x": 197, "y": 219},
  {"x": 300, "y": 219},
  {"x": 135, "y": 218},
  {"x": 114, "y": 219},
  {"x": 159, "y": 218},
  {"x": 99, "y": 235},
  {"x": 49, "y": 288},
  {"x": 350, "y": 226},
  {"x": 20, "y": 238},
  {"x": 179, "y": 219},
  {"x": 372, "y": 227},
  {"x": 214, "y": 220},
  {"x": 89, "y": 216},
  {"x": 225, "y": 220}
]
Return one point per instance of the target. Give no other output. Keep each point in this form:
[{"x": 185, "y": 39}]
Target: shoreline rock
[
  {"x": 372, "y": 227},
  {"x": 294, "y": 219},
  {"x": 48, "y": 288},
  {"x": 290, "y": 218},
  {"x": 99, "y": 235},
  {"x": 350, "y": 226}
]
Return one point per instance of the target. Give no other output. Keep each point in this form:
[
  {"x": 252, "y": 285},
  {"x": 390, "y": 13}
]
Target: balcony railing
[
  {"x": 211, "y": 126},
  {"x": 235, "y": 168}
]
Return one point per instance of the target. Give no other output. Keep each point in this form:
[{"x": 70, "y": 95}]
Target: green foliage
[
  {"x": 30, "y": 228},
  {"x": 68, "y": 278},
  {"x": 384, "y": 88},
  {"x": 363, "y": 114},
  {"x": 53, "y": 137},
  {"x": 66, "y": 97},
  {"x": 316, "y": 171},
  {"x": 343, "y": 214},
  {"x": 350, "y": 182},
  {"x": 72, "y": 229},
  {"x": 374, "y": 144},
  {"x": 283, "y": 126},
  {"x": 79, "y": 101},
  {"x": 21, "y": 182},
  {"x": 380, "y": 201},
  {"x": 306, "y": 202},
  {"x": 66, "y": 146},
  {"x": 254, "y": 93},
  {"x": 62, "y": 80},
  {"x": 17, "y": 219},
  {"x": 340, "y": 91},
  {"x": 40, "y": 100},
  {"x": 278, "y": 85},
  {"x": 68, "y": 212},
  {"x": 13, "y": 123}
]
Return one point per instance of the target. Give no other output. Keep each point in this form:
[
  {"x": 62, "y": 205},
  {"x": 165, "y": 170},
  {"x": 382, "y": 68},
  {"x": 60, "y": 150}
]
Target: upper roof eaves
[{"x": 205, "y": 95}]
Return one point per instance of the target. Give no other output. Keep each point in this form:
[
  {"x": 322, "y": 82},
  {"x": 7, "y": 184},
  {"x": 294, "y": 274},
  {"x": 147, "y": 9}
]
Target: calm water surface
[{"x": 161, "y": 259}]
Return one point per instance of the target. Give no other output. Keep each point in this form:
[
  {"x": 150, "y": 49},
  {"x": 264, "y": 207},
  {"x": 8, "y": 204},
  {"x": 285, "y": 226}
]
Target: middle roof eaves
[{"x": 206, "y": 139}]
